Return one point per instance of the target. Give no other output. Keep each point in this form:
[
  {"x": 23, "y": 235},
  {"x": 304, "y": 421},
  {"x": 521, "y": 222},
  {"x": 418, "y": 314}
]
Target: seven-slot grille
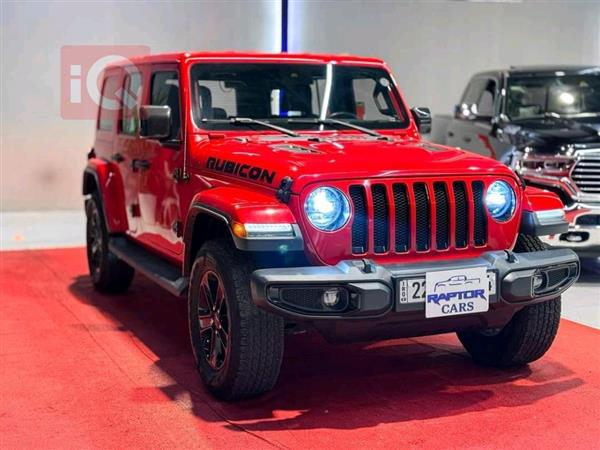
[
  {"x": 586, "y": 173},
  {"x": 420, "y": 216}
]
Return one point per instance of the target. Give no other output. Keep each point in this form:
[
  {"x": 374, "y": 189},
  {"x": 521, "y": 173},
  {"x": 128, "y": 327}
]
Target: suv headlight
[
  {"x": 500, "y": 200},
  {"x": 327, "y": 208}
]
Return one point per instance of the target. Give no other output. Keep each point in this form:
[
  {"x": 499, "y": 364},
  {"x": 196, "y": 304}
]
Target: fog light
[
  {"x": 538, "y": 281},
  {"x": 331, "y": 297}
]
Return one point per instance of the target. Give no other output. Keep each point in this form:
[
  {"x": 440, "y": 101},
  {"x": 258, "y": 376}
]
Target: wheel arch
[
  {"x": 214, "y": 211},
  {"x": 104, "y": 180},
  {"x": 202, "y": 224}
]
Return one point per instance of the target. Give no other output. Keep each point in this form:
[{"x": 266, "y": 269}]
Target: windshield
[
  {"x": 282, "y": 94},
  {"x": 569, "y": 96}
]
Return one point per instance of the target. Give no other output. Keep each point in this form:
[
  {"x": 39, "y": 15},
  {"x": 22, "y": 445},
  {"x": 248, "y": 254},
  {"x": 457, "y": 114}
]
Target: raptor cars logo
[{"x": 456, "y": 292}]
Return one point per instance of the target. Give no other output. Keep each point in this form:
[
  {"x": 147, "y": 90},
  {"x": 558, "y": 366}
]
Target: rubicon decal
[{"x": 241, "y": 170}]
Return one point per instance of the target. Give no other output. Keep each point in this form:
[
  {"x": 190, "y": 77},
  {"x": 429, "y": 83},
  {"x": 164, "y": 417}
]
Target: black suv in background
[{"x": 545, "y": 123}]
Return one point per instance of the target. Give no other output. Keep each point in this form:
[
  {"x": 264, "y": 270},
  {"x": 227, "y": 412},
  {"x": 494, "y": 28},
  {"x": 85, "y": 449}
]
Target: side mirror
[
  {"x": 422, "y": 117},
  {"x": 465, "y": 111},
  {"x": 155, "y": 122}
]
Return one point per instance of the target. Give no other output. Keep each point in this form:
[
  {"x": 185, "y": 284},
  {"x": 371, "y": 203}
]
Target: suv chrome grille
[
  {"x": 421, "y": 216},
  {"x": 586, "y": 173}
]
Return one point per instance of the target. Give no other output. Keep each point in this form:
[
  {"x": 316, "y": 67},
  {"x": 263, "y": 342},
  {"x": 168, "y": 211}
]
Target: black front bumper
[{"x": 370, "y": 308}]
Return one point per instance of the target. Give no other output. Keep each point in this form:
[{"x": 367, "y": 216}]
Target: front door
[
  {"x": 159, "y": 194},
  {"x": 471, "y": 129}
]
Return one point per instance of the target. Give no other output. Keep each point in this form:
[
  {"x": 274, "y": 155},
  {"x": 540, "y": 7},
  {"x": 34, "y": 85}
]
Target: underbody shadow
[{"x": 330, "y": 386}]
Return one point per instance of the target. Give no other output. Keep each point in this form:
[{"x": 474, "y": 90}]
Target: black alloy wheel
[{"x": 213, "y": 319}]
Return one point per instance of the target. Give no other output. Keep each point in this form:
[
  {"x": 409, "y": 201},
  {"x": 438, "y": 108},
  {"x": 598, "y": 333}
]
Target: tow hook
[
  {"x": 368, "y": 266},
  {"x": 510, "y": 256}
]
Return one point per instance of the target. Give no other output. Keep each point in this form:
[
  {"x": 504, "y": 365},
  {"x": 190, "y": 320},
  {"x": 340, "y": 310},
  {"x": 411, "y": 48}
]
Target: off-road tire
[
  {"x": 251, "y": 363},
  {"x": 528, "y": 335},
  {"x": 109, "y": 273}
]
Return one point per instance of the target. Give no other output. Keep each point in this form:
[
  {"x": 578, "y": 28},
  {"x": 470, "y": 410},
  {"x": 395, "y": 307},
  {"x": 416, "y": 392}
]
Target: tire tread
[{"x": 529, "y": 334}]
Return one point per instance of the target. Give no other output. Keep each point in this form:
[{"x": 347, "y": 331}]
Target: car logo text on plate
[{"x": 453, "y": 292}]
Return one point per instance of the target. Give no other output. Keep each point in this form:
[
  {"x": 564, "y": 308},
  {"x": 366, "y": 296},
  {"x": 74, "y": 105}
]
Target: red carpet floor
[{"x": 81, "y": 370}]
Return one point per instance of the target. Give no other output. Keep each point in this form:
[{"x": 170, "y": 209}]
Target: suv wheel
[
  {"x": 238, "y": 348},
  {"x": 109, "y": 273},
  {"x": 527, "y": 336}
]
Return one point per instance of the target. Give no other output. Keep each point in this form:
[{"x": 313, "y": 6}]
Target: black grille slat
[
  {"x": 442, "y": 216},
  {"x": 401, "y": 218},
  {"x": 461, "y": 214},
  {"x": 457, "y": 207},
  {"x": 480, "y": 226},
  {"x": 381, "y": 228},
  {"x": 423, "y": 226},
  {"x": 360, "y": 231}
]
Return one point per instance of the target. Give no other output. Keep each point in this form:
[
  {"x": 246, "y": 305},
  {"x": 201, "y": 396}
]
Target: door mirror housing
[
  {"x": 155, "y": 122},
  {"x": 464, "y": 111},
  {"x": 422, "y": 117}
]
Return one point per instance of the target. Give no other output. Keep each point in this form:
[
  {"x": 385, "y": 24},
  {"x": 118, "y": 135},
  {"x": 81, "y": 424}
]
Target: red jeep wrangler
[{"x": 292, "y": 191}]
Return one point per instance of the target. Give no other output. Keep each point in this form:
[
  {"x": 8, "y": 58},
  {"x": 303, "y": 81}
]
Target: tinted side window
[
  {"x": 165, "y": 92},
  {"x": 485, "y": 104},
  {"x": 109, "y": 105},
  {"x": 474, "y": 91},
  {"x": 131, "y": 99}
]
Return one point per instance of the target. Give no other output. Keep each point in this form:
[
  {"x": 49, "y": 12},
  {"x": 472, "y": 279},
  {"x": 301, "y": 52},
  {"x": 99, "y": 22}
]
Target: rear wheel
[
  {"x": 238, "y": 348},
  {"x": 527, "y": 336},
  {"x": 109, "y": 273}
]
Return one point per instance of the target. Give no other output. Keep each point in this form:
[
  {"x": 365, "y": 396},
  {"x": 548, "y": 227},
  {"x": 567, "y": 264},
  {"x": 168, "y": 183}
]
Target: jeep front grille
[
  {"x": 586, "y": 173},
  {"x": 421, "y": 216}
]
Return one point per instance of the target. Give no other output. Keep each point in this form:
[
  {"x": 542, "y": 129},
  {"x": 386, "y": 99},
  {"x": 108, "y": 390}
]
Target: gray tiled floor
[{"x": 26, "y": 230}]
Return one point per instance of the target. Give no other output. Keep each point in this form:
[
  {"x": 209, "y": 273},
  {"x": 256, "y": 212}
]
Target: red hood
[{"x": 344, "y": 156}]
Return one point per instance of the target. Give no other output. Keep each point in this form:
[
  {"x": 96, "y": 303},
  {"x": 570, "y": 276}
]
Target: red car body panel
[
  {"x": 245, "y": 206},
  {"x": 346, "y": 157},
  {"x": 540, "y": 200},
  {"x": 110, "y": 183}
]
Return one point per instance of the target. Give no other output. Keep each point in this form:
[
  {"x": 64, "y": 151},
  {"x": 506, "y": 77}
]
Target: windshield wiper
[
  {"x": 343, "y": 124},
  {"x": 249, "y": 121}
]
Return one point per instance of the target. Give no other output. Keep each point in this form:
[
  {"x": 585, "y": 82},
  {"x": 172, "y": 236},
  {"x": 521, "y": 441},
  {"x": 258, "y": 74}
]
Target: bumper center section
[{"x": 363, "y": 289}]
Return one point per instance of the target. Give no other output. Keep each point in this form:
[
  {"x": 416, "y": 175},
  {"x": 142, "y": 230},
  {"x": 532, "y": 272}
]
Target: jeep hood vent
[{"x": 292, "y": 148}]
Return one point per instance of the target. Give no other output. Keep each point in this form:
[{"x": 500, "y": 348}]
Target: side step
[{"x": 154, "y": 267}]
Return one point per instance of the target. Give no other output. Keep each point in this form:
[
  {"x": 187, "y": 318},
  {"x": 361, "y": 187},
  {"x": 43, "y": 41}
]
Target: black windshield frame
[{"x": 247, "y": 75}]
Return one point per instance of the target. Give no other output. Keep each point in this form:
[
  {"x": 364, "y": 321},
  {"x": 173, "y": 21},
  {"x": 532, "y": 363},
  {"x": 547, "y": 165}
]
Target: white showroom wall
[
  {"x": 434, "y": 47},
  {"x": 42, "y": 155}
]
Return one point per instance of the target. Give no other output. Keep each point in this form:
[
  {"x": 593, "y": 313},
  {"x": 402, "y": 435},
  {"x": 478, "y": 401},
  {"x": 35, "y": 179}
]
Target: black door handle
[
  {"x": 117, "y": 157},
  {"x": 450, "y": 134},
  {"x": 466, "y": 139},
  {"x": 140, "y": 164}
]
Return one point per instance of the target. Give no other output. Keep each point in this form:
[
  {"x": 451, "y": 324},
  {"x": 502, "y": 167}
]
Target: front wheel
[
  {"x": 528, "y": 335},
  {"x": 238, "y": 348}
]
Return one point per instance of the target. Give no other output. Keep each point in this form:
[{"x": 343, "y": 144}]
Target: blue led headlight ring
[{"x": 327, "y": 208}]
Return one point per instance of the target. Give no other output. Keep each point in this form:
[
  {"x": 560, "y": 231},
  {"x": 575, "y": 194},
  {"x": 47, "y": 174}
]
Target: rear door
[
  {"x": 128, "y": 145},
  {"x": 110, "y": 144},
  {"x": 159, "y": 194}
]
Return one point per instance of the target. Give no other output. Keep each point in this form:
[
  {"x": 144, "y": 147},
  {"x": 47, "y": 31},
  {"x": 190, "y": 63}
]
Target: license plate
[{"x": 414, "y": 290}]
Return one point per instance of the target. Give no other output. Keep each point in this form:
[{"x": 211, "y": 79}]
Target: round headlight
[
  {"x": 327, "y": 208},
  {"x": 500, "y": 200}
]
